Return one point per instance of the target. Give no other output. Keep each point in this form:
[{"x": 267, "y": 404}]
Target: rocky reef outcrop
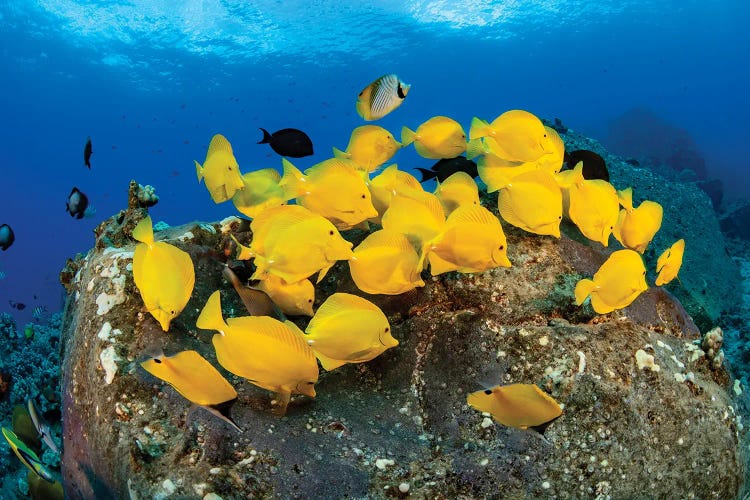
[{"x": 657, "y": 424}]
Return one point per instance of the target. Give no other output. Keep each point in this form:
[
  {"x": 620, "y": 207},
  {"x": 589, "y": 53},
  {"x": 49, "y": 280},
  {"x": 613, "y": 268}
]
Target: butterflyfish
[
  {"x": 41, "y": 427},
  {"x": 294, "y": 299},
  {"x": 472, "y": 241},
  {"x": 87, "y": 152},
  {"x": 593, "y": 206},
  {"x": 385, "y": 263},
  {"x": 617, "y": 283},
  {"x": 270, "y": 354},
  {"x": 347, "y": 328},
  {"x": 439, "y": 137},
  {"x": 333, "y": 188},
  {"x": 369, "y": 147},
  {"x": 516, "y": 405},
  {"x": 294, "y": 243},
  {"x": 532, "y": 201},
  {"x": 261, "y": 191},
  {"x": 444, "y": 168},
  {"x": 163, "y": 273},
  {"x": 515, "y": 135},
  {"x": 669, "y": 263},
  {"x": 381, "y": 97},
  {"x": 76, "y": 203},
  {"x": 457, "y": 190},
  {"x": 220, "y": 170},
  {"x": 7, "y": 237},
  {"x": 636, "y": 227},
  {"x": 389, "y": 182},
  {"x": 27, "y": 456},
  {"x": 191, "y": 375},
  {"x": 288, "y": 142},
  {"x": 594, "y": 166}
]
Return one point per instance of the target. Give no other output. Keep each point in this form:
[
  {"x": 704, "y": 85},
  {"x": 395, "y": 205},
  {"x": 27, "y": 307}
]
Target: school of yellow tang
[{"x": 296, "y": 222}]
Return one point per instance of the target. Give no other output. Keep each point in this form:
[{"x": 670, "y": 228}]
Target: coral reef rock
[{"x": 400, "y": 424}]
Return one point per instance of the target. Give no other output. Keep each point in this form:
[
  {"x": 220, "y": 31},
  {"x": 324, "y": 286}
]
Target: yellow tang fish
[
  {"x": 220, "y": 170},
  {"x": 515, "y": 135},
  {"x": 369, "y": 147},
  {"x": 333, "y": 188},
  {"x": 593, "y": 206},
  {"x": 163, "y": 273},
  {"x": 389, "y": 182},
  {"x": 516, "y": 405},
  {"x": 554, "y": 147},
  {"x": 27, "y": 456},
  {"x": 457, "y": 190},
  {"x": 669, "y": 263},
  {"x": 381, "y": 97},
  {"x": 496, "y": 173},
  {"x": 617, "y": 283},
  {"x": 533, "y": 202},
  {"x": 418, "y": 215},
  {"x": 270, "y": 354},
  {"x": 294, "y": 243},
  {"x": 261, "y": 191},
  {"x": 636, "y": 227},
  {"x": 348, "y": 329},
  {"x": 385, "y": 263},
  {"x": 192, "y": 376},
  {"x": 472, "y": 241},
  {"x": 437, "y": 138},
  {"x": 294, "y": 299}
]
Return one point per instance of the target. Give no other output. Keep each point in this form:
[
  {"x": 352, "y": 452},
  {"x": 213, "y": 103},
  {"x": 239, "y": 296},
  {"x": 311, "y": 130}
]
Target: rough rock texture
[{"x": 403, "y": 417}]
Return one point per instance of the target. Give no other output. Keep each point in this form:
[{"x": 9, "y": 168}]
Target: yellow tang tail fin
[
  {"x": 474, "y": 148},
  {"x": 210, "y": 317},
  {"x": 479, "y": 128},
  {"x": 583, "y": 290},
  {"x": 337, "y": 153},
  {"x": 144, "y": 231},
  {"x": 292, "y": 182},
  {"x": 626, "y": 198},
  {"x": 407, "y": 136},
  {"x": 243, "y": 252},
  {"x": 198, "y": 171}
]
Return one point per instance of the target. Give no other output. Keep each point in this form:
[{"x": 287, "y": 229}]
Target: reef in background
[{"x": 661, "y": 423}]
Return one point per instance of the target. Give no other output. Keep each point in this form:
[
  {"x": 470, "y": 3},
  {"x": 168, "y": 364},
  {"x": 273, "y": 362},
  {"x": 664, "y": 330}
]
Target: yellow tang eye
[{"x": 488, "y": 391}]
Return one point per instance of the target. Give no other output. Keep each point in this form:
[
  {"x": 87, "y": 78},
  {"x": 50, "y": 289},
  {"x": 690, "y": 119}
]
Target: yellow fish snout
[
  {"x": 306, "y": 388},
  {"x": 163, "y": 317}
]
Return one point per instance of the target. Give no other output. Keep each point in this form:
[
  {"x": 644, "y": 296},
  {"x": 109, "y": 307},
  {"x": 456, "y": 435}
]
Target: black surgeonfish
[
  {"x": 87, "y": 153},
  {"x": 594, "y": 166},
  {"x": 6, "y": 237},
  {"x": 446, "y": 167},
  {"x": 76, "y": 204},
  {"x": 288, "y": 142}
]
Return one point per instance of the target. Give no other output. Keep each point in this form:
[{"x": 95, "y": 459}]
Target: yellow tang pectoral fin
[{"x": 27, "y": 456}]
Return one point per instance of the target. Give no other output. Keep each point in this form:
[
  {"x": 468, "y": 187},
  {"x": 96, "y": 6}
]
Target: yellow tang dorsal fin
[
  {"x": 472, "y": 214},
  {"x": 144, "y": 231},
  {"x": 219, "y": 144},
  {"x": 210, "y": 317},
  {"x": 385, "y": 239},
  {"x": 336, "y": 304}
]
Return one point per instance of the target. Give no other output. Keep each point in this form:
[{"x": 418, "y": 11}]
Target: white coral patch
[
  {"x": 109, "y": 358},
  {"x": 106, "y": 301},
  {"x": 646, "y": 361}
]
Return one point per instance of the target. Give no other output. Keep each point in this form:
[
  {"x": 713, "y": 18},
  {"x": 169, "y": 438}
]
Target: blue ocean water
[{"x": 150, "y": 81}]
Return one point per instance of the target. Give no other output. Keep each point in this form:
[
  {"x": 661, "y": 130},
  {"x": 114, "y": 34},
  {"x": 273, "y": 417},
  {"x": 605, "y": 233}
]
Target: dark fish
[
  {"x": 594, "y": 166},
  {"x": 633, "y": 162},
  {"x": 76, "y": 204},
  {"x": 288, "y": 142},
  {"x": 6, "y": 237},
  {"x": 87, "y": 153},
  {"x": 256, "y": 302},
  {"x": 447, "y": 167},
  {"x": 17, "y": 305}
]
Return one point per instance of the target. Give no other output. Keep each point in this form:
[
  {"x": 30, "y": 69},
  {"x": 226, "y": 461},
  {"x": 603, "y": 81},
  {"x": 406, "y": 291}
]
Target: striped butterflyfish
[{"x": 381, "y": 97}]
